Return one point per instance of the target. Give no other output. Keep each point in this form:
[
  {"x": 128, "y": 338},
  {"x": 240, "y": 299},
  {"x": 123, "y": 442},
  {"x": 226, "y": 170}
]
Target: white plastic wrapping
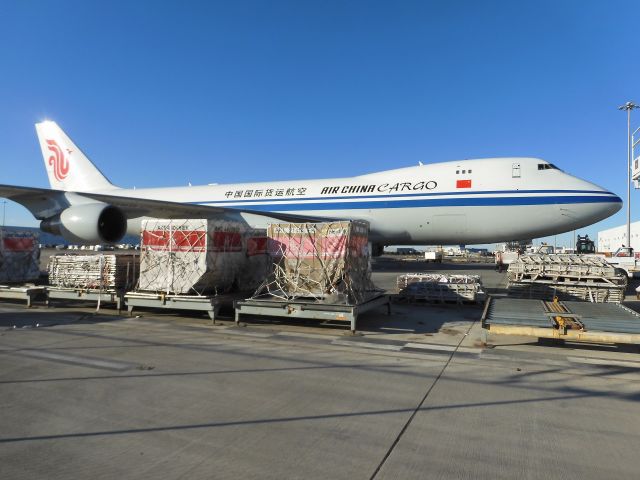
[{"x": 200, "y": 256}]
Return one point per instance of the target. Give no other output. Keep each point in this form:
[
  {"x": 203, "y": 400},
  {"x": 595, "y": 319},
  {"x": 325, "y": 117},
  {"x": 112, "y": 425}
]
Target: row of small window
[
  {"x": 547, "y": 166},
  {"x": 458, "y": 172}
]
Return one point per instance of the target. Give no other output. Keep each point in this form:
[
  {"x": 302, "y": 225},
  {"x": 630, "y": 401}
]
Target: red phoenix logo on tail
[{"x": 58, "y": 161}]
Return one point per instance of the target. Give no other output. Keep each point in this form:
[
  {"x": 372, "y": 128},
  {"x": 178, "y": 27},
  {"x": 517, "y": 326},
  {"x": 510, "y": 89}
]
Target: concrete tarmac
[{"x": 416, "y": 395}]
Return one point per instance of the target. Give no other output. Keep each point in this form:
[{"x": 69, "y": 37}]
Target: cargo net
[
  {"x": 319, "y": 262},
  {"x": 568, "y": 277},
  {"x": 94, "y": 272},
  {"x": 201, "y": 257},
  {"x": 19, "y": 256},
  {"x": 416, "y": 287}
]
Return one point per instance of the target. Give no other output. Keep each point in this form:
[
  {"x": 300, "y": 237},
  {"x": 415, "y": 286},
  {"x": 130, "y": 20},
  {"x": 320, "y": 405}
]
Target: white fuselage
[{"x": 462, "y": 202}]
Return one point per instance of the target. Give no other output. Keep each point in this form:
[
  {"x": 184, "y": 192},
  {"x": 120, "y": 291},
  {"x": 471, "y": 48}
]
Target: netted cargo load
[
  {"x": 431, "y": 287},
  {"x": 94, "y": 272},
  {"x": 200, "y": 256},
  {"x": 19, "y": 256},
  {"x": 257, "y": 265},
  {"x": 568, "y": 277},
  {"x": 322, "y": 262}
]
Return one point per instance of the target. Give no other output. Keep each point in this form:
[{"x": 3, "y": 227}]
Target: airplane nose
[{"x": 608, "y": 204}]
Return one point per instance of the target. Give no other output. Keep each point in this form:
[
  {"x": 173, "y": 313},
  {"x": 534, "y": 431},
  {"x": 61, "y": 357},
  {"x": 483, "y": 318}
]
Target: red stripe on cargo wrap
[
  {"x": 18, "y": 244},
  {"x": 227, "y": 242},
  {"x": 175, "y": 240},
  {"x": 295, "y": 246},
  {"x": 463, "y": 184},
  {"x": 256, "y": 246}
]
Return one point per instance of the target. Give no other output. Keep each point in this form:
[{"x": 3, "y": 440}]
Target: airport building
[{"x": 613, "y": 238}]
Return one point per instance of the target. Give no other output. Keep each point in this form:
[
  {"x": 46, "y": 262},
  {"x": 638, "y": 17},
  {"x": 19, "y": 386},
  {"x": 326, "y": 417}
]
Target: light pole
[{"x": 628, "y": 107}]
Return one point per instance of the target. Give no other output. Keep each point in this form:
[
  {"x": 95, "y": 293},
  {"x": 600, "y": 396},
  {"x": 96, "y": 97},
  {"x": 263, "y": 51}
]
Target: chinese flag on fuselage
[{"x": 463, "y": 183}]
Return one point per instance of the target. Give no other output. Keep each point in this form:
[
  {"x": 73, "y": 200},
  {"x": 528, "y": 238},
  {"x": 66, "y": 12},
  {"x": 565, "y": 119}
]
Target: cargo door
[{"x": 515, "y": 170}]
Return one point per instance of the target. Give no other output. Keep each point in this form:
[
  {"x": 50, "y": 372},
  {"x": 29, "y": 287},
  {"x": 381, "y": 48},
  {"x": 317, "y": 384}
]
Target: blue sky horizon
[{"x": 171, "y": 93}]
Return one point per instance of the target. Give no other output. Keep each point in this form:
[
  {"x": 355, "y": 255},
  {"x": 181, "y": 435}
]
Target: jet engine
[{"x": 90, "y": 223}]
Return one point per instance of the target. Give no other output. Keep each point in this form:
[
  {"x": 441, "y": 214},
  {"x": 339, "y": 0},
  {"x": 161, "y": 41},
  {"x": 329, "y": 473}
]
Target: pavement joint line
[
  {"x": 248, "y": 333},
  {"x": 419, "y": 406},
  {"x": 378, "y": 346},
  {"x": 305, "y": 335},
  {"x": 449, "y": 348}
]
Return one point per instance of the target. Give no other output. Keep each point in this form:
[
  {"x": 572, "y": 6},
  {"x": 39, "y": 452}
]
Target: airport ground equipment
[
  {"x": 430, "y": 287},
  {"x": 568, "y": 277},
  {"x": 86, "y": 295},
  {"x": 566, "y": 320},
  {"x": 274, "y": 307},
  {"x": 584, "y": 245},
  {"x": 28, "y": 293},
  {"x": 210, "y": 304},
  {"x": 625, "y": 259},
  {"x": 19, "y": 256}
]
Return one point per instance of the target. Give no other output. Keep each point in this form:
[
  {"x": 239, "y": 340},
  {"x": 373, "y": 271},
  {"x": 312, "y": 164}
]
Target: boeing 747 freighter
[{"x": 461, "y": 202}]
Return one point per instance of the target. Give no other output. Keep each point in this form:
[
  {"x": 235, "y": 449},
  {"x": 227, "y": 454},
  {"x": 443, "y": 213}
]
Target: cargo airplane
[{"x": 458, "y": 202}]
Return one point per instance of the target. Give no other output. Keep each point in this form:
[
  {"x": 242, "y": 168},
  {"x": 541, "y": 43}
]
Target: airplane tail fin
[{"x": 68, "y": 168}]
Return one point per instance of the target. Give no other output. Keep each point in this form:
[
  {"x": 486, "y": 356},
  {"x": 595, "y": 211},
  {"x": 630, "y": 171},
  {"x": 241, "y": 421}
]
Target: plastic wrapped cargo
[
  {"x": 200, "y": 256},
  {"x": 19, "y": 256},
  {"x": 326, "y": 262},
  {"x": 97, "y": 271}
]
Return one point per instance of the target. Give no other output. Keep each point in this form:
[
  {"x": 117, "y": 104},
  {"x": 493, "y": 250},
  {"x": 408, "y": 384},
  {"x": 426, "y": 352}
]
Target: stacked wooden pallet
[
  {"x": 568, "y": 277},
  {"x": 439, "y": 288},
  {"x": 100, "y": 271}
]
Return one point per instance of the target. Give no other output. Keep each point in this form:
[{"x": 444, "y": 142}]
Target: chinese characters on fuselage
[
  {"x": 332, "y": 190},
  {"x": 267, "y": 192}
]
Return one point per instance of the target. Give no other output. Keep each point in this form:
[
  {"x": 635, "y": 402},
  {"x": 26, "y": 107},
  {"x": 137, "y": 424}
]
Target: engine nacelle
[{"x": 91, "y": 223}]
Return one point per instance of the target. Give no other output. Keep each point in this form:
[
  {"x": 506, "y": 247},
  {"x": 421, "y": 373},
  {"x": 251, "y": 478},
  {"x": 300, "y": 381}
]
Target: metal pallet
[
  {"x": 272, "y": 307},
  {"x": 86, "y": 295},
  {"x": 601, "y": 322},
  {"x": 25, "y": 292},
  {"x": 204, "y": 303}
]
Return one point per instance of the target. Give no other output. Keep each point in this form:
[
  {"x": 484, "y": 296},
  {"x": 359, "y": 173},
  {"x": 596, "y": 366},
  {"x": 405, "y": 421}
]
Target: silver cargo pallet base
[
  {"x": 25, "y": 292},
  {"x": 272, "y": 307},
  {"x": 86, "y": 295},
  {"x": 602, "y": 322},
  {"x": 204, "y": 303}
]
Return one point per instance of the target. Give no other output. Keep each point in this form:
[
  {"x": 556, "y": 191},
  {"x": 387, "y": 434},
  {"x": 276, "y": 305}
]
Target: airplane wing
[{"x": 44, "y": 203}]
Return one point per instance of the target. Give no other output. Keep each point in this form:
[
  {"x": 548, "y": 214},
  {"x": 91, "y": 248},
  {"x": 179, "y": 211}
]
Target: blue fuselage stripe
[
  {"x": 428, "y": 202},
  {"x": 393, "y": 196}
]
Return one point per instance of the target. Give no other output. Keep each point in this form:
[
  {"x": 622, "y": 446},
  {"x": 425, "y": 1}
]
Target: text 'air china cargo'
[{"x": 461, "y": 202}]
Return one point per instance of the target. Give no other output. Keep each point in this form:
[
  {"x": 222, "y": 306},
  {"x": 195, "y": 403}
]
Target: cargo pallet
[
  {"x": 204, "y": 303},
  {"x": 24, "y": 292},
  {"x": 299, "y": 308},
  {"x": 86, "y": 295},
  {"x": 563, "y": 320}
]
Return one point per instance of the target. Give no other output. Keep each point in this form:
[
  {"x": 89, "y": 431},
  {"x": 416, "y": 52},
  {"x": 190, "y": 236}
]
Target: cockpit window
[{"x": 547, "y": 166}]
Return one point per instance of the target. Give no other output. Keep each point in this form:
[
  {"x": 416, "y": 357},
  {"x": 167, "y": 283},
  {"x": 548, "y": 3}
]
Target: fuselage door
[{"x": 515, "y": 170}]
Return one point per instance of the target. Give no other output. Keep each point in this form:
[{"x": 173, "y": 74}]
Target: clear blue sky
[{"x": 170, "y": 92}]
